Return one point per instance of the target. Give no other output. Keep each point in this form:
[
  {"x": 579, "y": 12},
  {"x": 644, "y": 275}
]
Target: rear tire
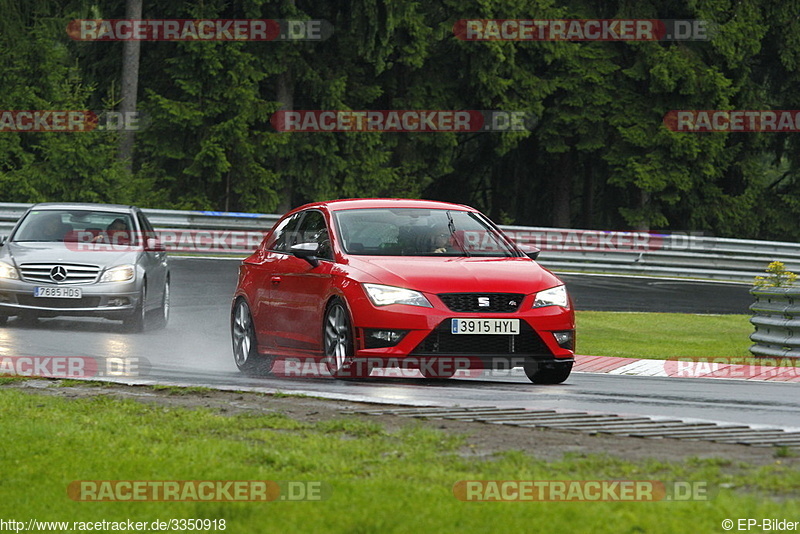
[
  {"x": 547, "y": 372},
  {"x": 245, "y": 344}
]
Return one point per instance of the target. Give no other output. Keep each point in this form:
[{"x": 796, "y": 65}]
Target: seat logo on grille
[
  {"x": 484, "y": 302},
  {"x": 58, "y": 273}
]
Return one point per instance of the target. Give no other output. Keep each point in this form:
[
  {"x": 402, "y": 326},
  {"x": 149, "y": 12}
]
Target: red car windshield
[{"x": 418, "y": 232}]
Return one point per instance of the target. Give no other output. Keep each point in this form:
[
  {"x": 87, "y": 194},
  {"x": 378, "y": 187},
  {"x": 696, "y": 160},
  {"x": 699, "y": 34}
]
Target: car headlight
[
  {"x": 8, "y": 271},
  {"x": 385, "y": 295},
  {"x": 555, "y": 296},
  {"x": 121, "y": 273}
]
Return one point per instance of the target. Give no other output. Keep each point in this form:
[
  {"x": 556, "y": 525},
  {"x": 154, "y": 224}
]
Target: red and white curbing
[
  {"x": 726, "y": 368},
  {"x": 719, "y": 367}
]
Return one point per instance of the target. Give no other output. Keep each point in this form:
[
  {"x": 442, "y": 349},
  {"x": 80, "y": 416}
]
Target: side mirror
[
  {"x": 529, "y": 250},
  {"x": 3, "y": 240},
  {"x": 307, "y": 251},
  {"x": 154, "y": 245}
]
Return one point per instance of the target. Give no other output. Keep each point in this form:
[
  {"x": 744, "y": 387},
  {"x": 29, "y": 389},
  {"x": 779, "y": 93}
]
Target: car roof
[
  {"x": 88, "y": 206},
  {"x": 367, "y": 203}
]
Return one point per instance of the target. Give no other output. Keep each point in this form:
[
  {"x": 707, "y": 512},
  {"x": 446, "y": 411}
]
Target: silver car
[{"x": 101, "y": 260}]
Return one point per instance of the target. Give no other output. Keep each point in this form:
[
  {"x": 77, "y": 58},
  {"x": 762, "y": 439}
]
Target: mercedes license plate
[{"x": 58, "y": 292}]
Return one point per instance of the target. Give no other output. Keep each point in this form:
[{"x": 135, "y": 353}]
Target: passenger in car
[{"x": 51, "y": 228}]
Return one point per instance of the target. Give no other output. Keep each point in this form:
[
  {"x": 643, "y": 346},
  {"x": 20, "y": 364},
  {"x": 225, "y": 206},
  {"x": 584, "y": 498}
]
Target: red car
[{"x": 433, "y": 286}]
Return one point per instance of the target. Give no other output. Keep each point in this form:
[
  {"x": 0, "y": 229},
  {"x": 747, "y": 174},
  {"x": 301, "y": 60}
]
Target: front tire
[
  {"x": 137, "y": 321},
  {"x": 547, "y": 372},
  {"x": 245, "y": 344},
  {"x": 337, "y": 338},
  {"x": 163, "y": 310}
]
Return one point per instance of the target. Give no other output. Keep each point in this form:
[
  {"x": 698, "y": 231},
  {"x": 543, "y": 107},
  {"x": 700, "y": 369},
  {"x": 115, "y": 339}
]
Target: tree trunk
[
  {"x": 588, "y": 197},
  {"x": 644, "y": 207},
  {"x": 285, "y": 95},
  {"x": 562, "y": 192},
  {"x": 130, "y": 84}
]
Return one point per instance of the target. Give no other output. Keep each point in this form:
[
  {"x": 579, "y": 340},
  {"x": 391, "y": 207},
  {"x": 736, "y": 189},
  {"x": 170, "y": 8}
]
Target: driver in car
[
  {"x": 116, "y": 233},
  {"x": 440, "y": 241}
]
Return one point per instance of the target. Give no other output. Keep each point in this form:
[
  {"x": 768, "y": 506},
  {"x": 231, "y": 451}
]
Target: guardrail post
[{"x": 776, "y": 317}]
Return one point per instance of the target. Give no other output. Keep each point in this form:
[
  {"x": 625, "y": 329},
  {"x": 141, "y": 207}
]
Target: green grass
[
  {"x": 663, "y": 335},
  {"x": 377, "y": 481},
  {"x": 178, "y": 390},
  {"x": 283, "y": 395},
  {"x": 69, "y": 383},
  {"x": 11, "y": 379}
]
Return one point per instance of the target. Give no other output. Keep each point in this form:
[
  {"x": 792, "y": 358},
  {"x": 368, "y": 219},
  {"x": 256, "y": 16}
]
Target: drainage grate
[{"x": 593, "y": 423}]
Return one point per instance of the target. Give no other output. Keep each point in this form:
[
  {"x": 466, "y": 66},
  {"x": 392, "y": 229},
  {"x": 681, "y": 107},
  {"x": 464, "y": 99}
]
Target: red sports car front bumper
[{"x": 425, "y": 334}]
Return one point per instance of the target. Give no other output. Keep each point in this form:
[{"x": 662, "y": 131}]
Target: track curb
[{"x": 722, "y": 368}]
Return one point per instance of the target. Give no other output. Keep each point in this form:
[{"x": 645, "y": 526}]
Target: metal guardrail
[
  {"x": 651, "y": 254},
  {"x": 777, "y": 321},
  {"x": 671, "y": 255}
]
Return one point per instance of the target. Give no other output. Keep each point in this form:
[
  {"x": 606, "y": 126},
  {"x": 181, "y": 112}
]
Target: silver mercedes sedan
[{"x": 102, "y": 260}]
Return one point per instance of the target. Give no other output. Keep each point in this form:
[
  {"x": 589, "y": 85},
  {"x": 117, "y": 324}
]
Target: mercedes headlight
[
  {"x": 555, "y": 296},
  {"x": 8, "y": 271},
  {"x": 121, "y": 273},
  {"x": 384, "y": 295}
]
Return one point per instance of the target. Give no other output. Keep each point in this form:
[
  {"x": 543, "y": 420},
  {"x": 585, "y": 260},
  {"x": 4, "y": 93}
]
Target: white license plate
[
  {"x": 484, "y": 326},
  {"x": 58, "y": 292}
]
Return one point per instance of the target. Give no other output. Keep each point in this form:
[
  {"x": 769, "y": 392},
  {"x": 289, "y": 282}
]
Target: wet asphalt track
[{"x": 195, "y": 349}]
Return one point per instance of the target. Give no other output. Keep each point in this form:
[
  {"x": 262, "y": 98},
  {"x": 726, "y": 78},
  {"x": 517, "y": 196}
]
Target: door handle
[{"x": 275, "y": 279}]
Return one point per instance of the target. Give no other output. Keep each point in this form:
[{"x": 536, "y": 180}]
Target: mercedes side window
[{"x": 147, "y": 231}]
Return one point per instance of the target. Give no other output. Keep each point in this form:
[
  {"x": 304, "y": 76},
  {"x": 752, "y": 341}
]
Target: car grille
[
  {"x": 44, "y": 302},
  {"x": 443, "y": 341},
  {"x": 492, "y": 302},
  {"x": 76, "y": 273}
]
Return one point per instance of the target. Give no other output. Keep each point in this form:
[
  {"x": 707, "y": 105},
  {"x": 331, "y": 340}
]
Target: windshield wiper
[{"x": 452, "y": 227}]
